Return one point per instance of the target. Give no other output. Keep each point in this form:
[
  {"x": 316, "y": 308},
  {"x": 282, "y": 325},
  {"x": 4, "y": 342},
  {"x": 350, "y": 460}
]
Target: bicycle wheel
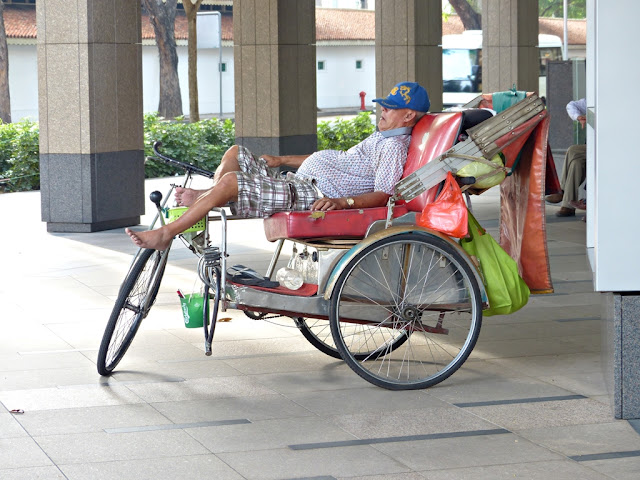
[
  {"x": 318, "y": 333},
  {"x": 136, "y": 296},
  {"x": 409, "y": 284}
]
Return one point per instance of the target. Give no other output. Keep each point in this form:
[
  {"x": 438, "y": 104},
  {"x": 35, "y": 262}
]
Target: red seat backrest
[{"x": 433, "y": 135}]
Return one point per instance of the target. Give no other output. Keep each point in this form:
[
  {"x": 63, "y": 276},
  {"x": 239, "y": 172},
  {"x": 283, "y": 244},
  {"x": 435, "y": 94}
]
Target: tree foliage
[{"x": 553, "y": 8}]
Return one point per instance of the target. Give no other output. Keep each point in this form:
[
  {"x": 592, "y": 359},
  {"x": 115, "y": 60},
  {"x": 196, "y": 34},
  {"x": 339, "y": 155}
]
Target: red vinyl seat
[{"x": 433, "y": 135}]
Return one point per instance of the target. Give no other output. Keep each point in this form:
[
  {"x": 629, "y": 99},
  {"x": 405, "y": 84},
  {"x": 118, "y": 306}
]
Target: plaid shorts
[{"x": 263, "y": 191}]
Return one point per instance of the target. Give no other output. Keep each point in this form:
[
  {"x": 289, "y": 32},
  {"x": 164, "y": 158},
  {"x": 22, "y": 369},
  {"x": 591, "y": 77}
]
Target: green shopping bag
[{"x": 505, "y": 288}]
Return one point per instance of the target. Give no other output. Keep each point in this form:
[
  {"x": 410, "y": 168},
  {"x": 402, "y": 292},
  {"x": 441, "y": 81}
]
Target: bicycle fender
[{"x": 391, "y": 232}]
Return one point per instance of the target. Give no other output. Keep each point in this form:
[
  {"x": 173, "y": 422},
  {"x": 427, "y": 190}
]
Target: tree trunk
[
  {"x": 191, "y": 8},
  {"x": 162, "y": 14},
  {"x": 5, "y": 99},
  {"x": 471, "y": 20}
]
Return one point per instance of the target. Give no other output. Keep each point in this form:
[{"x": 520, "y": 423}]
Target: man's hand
[
  {"x": 272, "y": 160},
  {"x": 326, "y": 203},
  {"x": 583, "y": 120}
]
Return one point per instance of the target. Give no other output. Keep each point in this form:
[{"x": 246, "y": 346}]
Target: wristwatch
[{"x": 350, "y": 202}]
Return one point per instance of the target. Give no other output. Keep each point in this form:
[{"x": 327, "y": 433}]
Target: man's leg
[
  {"x": 219, "y": 195},
  {"x": 577, "y": 162},
  {"x": 557, "y": 197},
  {"x": 573, "y": 176},
  {"x": 185, "y": 197}
]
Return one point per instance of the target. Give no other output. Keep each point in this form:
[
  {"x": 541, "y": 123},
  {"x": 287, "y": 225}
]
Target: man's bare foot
[
  {"x": 153, "y": 239},
  {"x": 186, "y": 196}
]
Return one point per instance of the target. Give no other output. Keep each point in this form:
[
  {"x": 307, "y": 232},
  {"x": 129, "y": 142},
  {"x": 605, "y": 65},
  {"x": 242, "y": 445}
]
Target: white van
[{"x": 462, "y": 65}]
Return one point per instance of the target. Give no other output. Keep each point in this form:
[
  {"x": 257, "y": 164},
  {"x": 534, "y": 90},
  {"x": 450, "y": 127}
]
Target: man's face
[{"x": 392, "y": 118}]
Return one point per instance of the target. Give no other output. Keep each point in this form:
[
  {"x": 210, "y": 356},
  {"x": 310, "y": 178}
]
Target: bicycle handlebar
[{"x": 188, "y": 167}]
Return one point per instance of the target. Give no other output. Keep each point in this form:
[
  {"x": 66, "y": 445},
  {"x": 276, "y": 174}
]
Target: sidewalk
[{"x": 531, "y": 401}]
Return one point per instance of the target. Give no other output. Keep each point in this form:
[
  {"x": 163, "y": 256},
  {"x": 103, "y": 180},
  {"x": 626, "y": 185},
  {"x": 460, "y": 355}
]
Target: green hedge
[
  {"x": 341, "y": 134},
  {"x": 19, "y": 156},
  {"x": 202, "y": 143}
]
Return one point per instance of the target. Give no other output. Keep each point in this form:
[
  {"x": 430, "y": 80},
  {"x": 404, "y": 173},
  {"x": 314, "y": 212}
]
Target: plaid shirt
[{"x": 374, "y": 165}]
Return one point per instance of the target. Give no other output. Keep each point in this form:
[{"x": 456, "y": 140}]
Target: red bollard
[{"x": 362, "y": 95}]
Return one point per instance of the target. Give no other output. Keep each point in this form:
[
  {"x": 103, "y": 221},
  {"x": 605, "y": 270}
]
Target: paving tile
[
  {"x": 285, "y": 362},
  {"x": 58, "y": 398},
  {"x": 422, "y": 421},
  {"x": 81, "y": 448},
  {"x": 199, "y": 389},
  {"x": 285, "y": 463},
  {"x": 335, "y": 376},
  {"x": 63, "y": 358},
  {"x": 21, "y": 452},
  {"x": 590, "y": 384},
  {"x": 571, "y": 440},
  {"x": 497, "y": 389},
  {"x": 619, "y": 468},
  {"x": 172, "y": 468},
  {"x": 254, "y": 408},
  {"x": 91, "y": 419},
  {"x": 9, "y": 425},
  {"x": 490, "y": 349},
  {"x": 521, "y": 416},
  {"x": 558, "y": 470},
  {"x": 566, "y": 363},
  {"x": 267, "y": 374},
  {"x": 52, "y": 377},
  {"x": 392, "y": 476},
  {"x": 32, "y": 473},
  {"x": 466, "y": 452},
  {"x": 365, "y": 400},
  {"x": 268, "y": 434}
]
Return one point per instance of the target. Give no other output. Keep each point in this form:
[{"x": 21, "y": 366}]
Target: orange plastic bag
[{"x": 448, "y": 212}]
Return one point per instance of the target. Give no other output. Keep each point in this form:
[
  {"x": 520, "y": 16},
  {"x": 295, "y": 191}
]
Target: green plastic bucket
[{"x": 192, "y": 310}]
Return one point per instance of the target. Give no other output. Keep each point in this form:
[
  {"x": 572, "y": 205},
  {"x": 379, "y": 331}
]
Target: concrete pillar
[
  {"x": 621, "y": 351},
  {"x": 275, "y": 77},
  {"x": 408, "y": 38},
  {"x": 90, "y": 109},
  {"x": 559, "y": 93},
  {"x": 509, "y": 45}
]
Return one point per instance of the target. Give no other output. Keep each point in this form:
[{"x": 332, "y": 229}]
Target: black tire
[
  {"x": 135, "y": 299},
  {"x": 414, "y": 284},
  {"x": 318, "y": 333}
]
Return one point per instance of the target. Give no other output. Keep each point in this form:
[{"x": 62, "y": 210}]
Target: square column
[
  {"x": 408, "y": 46},
  {"x": 509, "y": 45},
  {"x": 621, "y": 352},
  {"x": 90, "y": 110},
  {"x": 275, "y": 77}
]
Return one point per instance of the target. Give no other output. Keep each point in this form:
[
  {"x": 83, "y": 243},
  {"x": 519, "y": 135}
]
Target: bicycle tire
[
  {"x": 411, "y": 282},
  {"x": 318, "y": 333},
  {"x": 135, "y": 298}
]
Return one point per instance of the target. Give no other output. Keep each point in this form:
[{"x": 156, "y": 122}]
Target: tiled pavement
[{"x": 531, "y": 402}]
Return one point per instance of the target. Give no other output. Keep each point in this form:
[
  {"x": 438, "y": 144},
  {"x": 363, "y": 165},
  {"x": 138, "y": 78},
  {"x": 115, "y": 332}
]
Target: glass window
[
  {"x": 358, "y": 64},
  {"x": 321, "y": 65}
]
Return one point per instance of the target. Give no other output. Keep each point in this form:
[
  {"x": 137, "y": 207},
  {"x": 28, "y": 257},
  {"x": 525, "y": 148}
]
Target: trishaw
[{"x": 399, "y": 303}]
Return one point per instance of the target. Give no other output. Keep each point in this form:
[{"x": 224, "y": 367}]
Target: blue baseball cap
[{"x": 406, "y": 95}]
